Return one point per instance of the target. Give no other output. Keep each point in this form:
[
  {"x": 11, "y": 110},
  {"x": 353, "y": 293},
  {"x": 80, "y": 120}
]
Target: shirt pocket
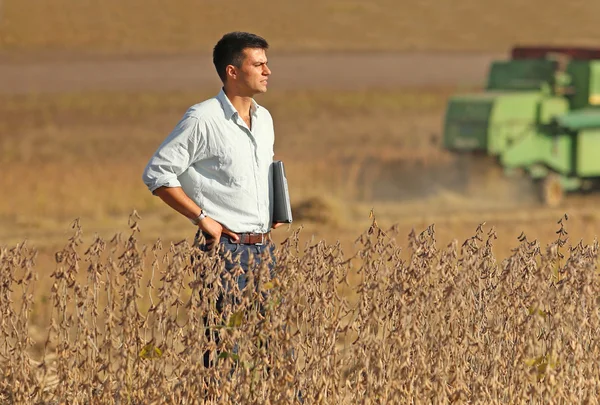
[{"x": 234, "y": 164}]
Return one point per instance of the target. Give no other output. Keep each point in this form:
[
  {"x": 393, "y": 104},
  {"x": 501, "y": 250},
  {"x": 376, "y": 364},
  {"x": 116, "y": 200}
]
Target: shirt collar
[{"x": 229, "y": 109}]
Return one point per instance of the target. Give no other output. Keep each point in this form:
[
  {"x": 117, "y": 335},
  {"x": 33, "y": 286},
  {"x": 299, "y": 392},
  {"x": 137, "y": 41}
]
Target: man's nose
[{"x": 266, "y": 71}]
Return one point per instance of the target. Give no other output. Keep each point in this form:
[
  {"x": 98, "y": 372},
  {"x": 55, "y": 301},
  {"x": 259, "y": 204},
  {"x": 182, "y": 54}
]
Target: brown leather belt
[{"x": 252, "y": 238}]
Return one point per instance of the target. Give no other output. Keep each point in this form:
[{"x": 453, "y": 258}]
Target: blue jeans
[
  {"x": 240, "y": 255},
  {"x": 240, "y": 258}
]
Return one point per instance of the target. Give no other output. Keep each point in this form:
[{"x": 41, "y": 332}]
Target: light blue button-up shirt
[{"x": 220, "y": 163}]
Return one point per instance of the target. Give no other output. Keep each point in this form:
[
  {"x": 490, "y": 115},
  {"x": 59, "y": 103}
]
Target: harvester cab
[{"x": 538, "y": 116}]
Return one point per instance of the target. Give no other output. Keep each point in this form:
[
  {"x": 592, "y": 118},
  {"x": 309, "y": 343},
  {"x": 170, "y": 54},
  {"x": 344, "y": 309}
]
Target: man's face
[{"x": 253, "y": 74}]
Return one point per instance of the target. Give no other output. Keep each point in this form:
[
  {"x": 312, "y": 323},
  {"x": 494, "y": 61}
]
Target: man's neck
[{"x": 242, "y": 104}]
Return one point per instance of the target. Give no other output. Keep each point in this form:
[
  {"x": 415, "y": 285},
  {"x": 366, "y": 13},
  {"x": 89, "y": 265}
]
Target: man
[{"x": 215, "y": 166}]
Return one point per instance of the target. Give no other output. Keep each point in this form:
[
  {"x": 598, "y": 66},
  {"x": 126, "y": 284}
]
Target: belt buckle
[{"x": 262, "y": 240}]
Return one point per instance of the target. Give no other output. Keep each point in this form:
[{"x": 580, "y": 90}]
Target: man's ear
[{"x": 231, "y": 71}]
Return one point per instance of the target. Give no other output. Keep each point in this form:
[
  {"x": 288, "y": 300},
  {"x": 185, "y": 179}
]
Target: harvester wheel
[{"x": 552, "y": 192}]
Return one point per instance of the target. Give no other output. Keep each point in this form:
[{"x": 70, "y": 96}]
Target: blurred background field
[
  {"x": 369, "y": 142},
  {"x": 134, "y": 26}
]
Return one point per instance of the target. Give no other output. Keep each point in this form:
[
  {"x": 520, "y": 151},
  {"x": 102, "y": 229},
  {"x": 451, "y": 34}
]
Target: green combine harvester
[{"x": 539, "y": 117}]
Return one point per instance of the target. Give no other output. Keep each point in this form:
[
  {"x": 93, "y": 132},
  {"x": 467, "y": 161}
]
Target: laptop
[{"x": 282, "y": 208}]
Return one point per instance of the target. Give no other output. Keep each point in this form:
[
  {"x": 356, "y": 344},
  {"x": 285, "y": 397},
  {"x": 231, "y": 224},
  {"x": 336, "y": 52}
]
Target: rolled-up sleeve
[{"x": 179, "y": 150}]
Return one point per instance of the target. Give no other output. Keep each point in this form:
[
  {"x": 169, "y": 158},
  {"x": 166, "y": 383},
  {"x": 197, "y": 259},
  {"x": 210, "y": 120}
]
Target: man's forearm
[{"x": 177, "y": 199}]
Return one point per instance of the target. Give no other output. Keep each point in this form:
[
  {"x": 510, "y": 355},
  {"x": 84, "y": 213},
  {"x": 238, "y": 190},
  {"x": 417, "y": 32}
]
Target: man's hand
[
  {"x": 277, "y": 225},
  {"x": 215, "y": 230},
  {"x": 176, "y": 198}
]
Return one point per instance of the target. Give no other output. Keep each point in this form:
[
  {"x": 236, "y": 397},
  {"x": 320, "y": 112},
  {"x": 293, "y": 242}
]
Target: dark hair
[{"x": 230, "y": 50}]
